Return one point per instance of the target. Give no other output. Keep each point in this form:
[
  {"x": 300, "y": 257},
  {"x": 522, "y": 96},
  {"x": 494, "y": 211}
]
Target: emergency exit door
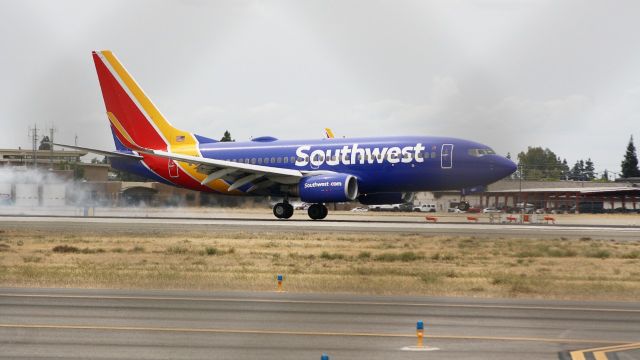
[{"x": 446, "y": 156}]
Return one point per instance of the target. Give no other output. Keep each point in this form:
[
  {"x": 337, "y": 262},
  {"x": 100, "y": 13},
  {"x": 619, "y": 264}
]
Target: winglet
[{"x": 328, "y": 133}]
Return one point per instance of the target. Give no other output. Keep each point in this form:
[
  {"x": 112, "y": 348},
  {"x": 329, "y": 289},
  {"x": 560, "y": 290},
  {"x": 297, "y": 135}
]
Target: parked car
[
  {"x": 491, "y": 210},
  {"x": 385, "y": 207},
  {"x": 359, "y": 209},
  {"x": 301, "y": 206},
  {"x": 474, "y": 210},
  {"x": 526, "y": 208},
  {"x": 455, "y": 210},
  {"x": 425, "y": 208}
]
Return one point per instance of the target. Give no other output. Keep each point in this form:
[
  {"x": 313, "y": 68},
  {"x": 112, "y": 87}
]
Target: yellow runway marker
[
  {"x": 599, "y": 353},
  {"x": 318, "y": 302},
  {"x": 301, "y": 333}
]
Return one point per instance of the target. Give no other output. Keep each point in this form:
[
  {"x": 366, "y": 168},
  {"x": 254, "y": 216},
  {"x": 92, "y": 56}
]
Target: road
[
  {"x": 122, "y": 324},
  {"x": 117, "y": 224}
]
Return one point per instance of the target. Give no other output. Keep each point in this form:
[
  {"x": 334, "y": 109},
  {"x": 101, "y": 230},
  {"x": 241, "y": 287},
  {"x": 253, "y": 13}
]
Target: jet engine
[{"x": 327, "y": 188}]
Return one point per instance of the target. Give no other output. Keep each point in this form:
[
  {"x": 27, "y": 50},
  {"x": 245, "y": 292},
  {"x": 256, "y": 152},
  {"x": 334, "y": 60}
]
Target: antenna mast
[{"x": 33, "y": 134}]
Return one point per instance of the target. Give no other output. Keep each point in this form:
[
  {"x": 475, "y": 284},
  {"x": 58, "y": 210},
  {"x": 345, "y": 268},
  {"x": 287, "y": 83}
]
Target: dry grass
[{"x": 325, "y": 262}]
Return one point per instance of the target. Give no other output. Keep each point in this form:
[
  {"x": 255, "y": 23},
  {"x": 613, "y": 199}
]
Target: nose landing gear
[{"x": 317, "y": 211}]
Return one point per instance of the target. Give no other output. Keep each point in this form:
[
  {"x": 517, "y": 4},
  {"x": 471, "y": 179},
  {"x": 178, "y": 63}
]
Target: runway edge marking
[
  {"x": 316, "y": 302},
  {"x": 301, "y": 333}
]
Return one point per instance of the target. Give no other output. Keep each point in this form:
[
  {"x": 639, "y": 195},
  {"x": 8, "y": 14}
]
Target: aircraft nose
[{"x": 504, "y": 167}]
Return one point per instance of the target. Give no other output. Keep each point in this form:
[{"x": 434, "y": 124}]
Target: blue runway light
[
  {"x": 420, "y": 325},
  {"x": 279, "y": 277},
  {"x": 324, "y": 357}
]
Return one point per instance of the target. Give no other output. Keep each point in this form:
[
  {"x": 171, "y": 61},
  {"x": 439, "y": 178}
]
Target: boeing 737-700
[{"x": 373, "y": 170}]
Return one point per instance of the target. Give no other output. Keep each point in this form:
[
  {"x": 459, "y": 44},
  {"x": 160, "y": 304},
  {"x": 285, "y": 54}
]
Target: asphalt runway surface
[
  {"x": 117, "y": 224},
  {"x": 120, "y": 324}
]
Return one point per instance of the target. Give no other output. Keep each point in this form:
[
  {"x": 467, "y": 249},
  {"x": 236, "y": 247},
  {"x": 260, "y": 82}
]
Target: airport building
[
  {"x": 43, "y": 158},
  {"x": 580, "y": 196}
]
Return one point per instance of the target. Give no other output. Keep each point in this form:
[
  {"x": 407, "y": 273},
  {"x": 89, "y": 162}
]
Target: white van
[{"x": 425, "y": 208}]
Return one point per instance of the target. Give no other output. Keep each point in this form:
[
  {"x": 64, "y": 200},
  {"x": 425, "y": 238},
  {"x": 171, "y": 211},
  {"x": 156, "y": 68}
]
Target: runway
[
  {"x": 108, "y": 324},
  {"x": 135, "y": 224}
]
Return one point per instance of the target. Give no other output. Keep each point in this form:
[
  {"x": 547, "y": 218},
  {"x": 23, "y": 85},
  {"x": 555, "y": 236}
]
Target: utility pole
[
  {"x": 33, "y": 133},
  {"x": 52, "y": 130}
]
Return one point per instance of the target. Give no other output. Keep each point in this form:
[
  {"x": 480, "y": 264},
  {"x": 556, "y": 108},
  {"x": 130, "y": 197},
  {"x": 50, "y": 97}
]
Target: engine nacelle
[
  {"x": 385, "y": 198},
  {"x": 328, "y": 188}
]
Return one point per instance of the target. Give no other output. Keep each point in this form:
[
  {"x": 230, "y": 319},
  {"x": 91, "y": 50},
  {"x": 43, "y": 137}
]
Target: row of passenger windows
[
  {"x": 260, "y": 161},
  {"x": 359, "y": 157}
]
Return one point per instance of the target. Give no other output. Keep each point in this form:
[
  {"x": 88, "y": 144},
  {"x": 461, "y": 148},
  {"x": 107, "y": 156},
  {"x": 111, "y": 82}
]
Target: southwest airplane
[{"x": 381, "y": 170}]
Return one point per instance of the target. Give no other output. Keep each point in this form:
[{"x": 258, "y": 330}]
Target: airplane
[{"x": 371, "y": 170}]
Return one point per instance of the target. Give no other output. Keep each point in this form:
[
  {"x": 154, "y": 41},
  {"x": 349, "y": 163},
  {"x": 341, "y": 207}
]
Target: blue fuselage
[{"x": 390, "y": 164}]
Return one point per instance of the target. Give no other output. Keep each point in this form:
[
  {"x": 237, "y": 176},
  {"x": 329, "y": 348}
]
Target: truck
[{"x": 425, "y": 208}]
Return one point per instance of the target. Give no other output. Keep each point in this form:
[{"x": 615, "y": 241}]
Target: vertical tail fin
[{"x": 135, "y": 121}]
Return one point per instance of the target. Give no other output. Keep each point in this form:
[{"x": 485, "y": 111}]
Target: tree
[
  {"x": 605, "y": 175},
  {"x": 44, "y": 143},
  {"x": 630, "y": 162},
  {"x": 589, "y": 170},
  {"x": 577, "y": 171},
  {"x": 509, "y": 155},
  {"x": 226, "y": 136},
  {"x": 565, "y": 169},
  {"x": 538, "y": 163}
]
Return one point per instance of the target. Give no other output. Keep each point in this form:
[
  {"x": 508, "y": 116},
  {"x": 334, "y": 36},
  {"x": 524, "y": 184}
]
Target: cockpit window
[{"x": 481, "y": 152}]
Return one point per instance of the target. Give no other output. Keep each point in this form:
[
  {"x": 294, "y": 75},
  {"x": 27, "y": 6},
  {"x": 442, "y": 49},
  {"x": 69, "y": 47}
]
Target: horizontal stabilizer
[{"x": 101, "y": 152}]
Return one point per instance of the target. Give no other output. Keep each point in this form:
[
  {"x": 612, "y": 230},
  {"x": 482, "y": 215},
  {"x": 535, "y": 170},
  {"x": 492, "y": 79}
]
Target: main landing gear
[
  {"x": 283, "y": 210},
  {"x": 317, "y": 211}
]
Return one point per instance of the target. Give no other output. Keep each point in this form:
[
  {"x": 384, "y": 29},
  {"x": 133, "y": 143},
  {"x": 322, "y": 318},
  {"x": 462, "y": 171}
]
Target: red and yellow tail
[
  {"x": 134, "y": 119},
  {"x": 138, "y": 125}
]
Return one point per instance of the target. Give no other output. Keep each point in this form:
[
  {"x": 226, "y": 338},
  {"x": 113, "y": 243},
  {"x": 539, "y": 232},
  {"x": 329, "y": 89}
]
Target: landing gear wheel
[
  {"x": 289, "y": 210},
  {"x": 317, "y": 211},
  {"x": 283, "y": 210}
]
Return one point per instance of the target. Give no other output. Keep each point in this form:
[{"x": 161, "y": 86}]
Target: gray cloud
[{"x": 507, "y": 73}]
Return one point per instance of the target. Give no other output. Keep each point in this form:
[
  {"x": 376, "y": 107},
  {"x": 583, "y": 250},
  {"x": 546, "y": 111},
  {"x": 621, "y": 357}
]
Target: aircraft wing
[
  {"x": 223, "y": 164},
  {"x": 241, "y": 173}
]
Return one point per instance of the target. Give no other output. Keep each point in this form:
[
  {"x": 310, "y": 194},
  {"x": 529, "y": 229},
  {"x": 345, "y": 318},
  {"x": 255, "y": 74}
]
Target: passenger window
[
  {"x": 279, "y": 159},
  {"x": 293, "y": 159},
  {"x": 259, "y": 160},
  {"x": 286, "y": 159},
  {"x": 266, "y": 160},
  {"x": 433, "y": 154},
  {"x": 273, "y": 160},
  {"x": 253, "y": 161}
]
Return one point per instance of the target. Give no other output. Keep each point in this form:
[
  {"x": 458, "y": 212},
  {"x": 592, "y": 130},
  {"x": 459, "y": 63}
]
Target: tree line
[{"x": 539, "y": 163}]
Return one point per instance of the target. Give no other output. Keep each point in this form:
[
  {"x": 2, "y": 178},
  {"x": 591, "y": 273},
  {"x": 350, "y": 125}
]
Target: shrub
[
  {"x": 364, "y": 255},
  {"x": 600, "y": 254},
  {"x": 406, "y": 256},
  {"x": 65, "y": 249},
  {"x": 632, "y": 255},
  {"x": 210, "y": 250},
  {"x": 331, "y": 256},
  {"x": 176, "y": 249},
  {"x": 137, "y": 249}
]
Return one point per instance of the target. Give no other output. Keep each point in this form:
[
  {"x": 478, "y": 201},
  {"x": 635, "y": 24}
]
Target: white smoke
[{"x": 32, "y": 187}]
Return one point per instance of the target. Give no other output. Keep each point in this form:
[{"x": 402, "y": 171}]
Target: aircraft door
[
  {"x": 173, "y": 169},
  {"x": 446, "y": 156}
]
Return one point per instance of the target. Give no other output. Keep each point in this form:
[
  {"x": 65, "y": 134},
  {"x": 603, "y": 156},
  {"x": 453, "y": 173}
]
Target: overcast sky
[{"x": 512, "y": 73}]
